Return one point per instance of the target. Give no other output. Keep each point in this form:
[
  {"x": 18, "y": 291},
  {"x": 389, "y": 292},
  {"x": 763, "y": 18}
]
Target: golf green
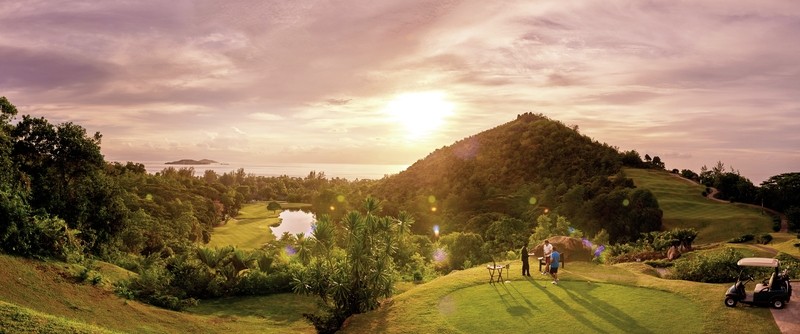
[{"x": 569, "y": 307}]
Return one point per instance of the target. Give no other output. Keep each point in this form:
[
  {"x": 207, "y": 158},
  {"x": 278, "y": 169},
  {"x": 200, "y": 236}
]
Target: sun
[{"x": 420, "y": 113}]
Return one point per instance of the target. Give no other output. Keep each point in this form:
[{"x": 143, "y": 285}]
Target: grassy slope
[
  {"x": 605, "y": 305},
  {"x": 42, "y": 297},
  {"x": 250, "y": 229},
  {"x": 684, "y": 206}
]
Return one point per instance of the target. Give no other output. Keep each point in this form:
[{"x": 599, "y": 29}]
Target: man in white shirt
[{"x": 548, "y": 250}]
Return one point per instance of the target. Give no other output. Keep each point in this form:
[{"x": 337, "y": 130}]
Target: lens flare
[
  {"x": 599, "y": 250},
  {"x": 431, "y": 199},
  {"x": 340, "y": 198},
  {"x": 436, "y": 230},
  {"x": 439, "y": 255},
  {"x": 586, "y": 243},
  {"x": 532, "y": 201},
  {"x": 289, "y": 250},
  {"x": 626, "y": 202}
]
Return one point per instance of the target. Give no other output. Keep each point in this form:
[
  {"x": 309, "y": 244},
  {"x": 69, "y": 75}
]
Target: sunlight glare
[{"x": 421, "y": 113}]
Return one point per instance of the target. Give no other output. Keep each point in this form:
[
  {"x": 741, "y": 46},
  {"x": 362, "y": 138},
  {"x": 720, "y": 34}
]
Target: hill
[
  {"x": 684, "y": 206},
  {"x": 515, "y": 168},
  {"x": 48, "y": 297},
  {"x": 191, "y": 162}
]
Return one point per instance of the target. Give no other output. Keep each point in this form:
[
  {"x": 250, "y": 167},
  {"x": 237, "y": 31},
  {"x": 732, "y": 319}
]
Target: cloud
[
  {"x": 693, "y": 82},
  {"x": 262, "y": 116}
]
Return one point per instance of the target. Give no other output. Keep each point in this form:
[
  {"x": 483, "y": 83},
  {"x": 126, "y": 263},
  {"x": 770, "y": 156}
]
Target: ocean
[{"x": 345, "y": 171}]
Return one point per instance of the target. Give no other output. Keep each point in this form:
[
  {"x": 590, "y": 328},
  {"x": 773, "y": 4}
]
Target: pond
[{"x": 294, "y": 222}]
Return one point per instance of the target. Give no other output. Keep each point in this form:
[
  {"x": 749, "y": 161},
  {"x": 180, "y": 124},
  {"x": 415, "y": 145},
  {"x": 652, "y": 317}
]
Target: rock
[{"x": 673, "y": 253}]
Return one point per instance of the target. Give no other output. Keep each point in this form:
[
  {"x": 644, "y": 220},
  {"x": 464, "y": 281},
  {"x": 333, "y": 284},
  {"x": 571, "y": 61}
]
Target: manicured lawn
[
  {"x": 685, "y": 207},
  {"x": 625, "y": 298},
  {"x": 251, "y": 229},
  {"x": 570, "y": 307}
]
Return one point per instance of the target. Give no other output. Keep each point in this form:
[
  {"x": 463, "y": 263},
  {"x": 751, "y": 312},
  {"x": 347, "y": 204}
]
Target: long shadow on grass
[
  {"x": 574, "y": 313},
  {"x": 512, "y": 303},
  {"x": 605, "y": 311}
]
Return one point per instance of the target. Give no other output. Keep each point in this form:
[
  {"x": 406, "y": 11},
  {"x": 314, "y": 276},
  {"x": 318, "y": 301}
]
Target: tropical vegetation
[{"x": 476, "y": 201}]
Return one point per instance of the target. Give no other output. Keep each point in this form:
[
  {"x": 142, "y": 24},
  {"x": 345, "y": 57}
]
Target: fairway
[
  {"x": 685, "y": 207},
  {"x": 250, "y": 229},
  {"x": 570, "y": 307}
]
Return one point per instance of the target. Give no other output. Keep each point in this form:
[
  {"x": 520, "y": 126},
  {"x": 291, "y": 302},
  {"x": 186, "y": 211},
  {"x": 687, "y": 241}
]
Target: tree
[
  {"x": 464, "y": 249},
  {"x": 304, "y": 247},
  {"x": 354, "y": 280},
  {"x": 7, "y": 111},
  {"x": 781, "y": 192},
  {"x": 657, "y": 163},
  {"x": 631, "y": 159},
  {"x": 274, "y": 206},
  {"x": 543, "y": 228},
  {"x": 67, "y": 177}
]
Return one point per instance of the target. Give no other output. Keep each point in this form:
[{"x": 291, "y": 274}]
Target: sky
[{"x": 388, "y": 82}]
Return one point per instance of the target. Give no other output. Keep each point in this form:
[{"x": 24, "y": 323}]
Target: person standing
[
  {"x": 555, "y": 259},
  {"x": 526, "y": 267},
  {"x": 548, "y": 250}
]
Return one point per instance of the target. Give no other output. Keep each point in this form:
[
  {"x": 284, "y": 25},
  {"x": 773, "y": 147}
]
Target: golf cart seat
[{"x": 771, "y": 285}]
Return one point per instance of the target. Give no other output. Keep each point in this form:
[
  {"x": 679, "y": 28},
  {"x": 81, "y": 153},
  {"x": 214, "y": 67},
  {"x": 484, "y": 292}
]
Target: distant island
[{"x": 191, "y": 162}]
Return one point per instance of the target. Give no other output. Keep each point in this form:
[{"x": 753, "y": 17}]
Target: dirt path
[
  {"x": 788, "y": 319},
  {"x": 784, "y": 220}
]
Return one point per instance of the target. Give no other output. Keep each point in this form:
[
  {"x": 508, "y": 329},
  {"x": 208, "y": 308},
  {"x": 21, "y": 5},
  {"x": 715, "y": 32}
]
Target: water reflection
[{"x": 294, "y": 221}]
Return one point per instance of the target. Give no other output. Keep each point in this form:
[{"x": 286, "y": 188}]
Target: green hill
[
  {"x": 518, "y": 169},
  {"x": 684, "y": 206},
  {"x": 625, "y": 298},
  {"x": 47, "y": 297}
]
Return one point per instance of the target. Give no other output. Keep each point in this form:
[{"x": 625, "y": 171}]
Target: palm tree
[
  {"x": 353, "y": 283},
  {"x": 325, "y": 236},
  {"x": 404, "y": 220},
  {"x": 303, "y": 246}
]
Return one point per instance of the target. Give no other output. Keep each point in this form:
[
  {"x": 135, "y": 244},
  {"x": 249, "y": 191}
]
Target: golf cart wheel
[
  {"x": 730, "y": 302},
  {"x": 778, "y": 303}
]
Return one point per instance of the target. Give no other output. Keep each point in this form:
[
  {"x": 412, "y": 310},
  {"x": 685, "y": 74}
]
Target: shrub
[
  {"x": 790, "y": 263},
  {"x": 153, "y": 287},
  {"x": 42, "y": 236},
  {"x": 418, "y": 276},
  {"x": 659, "y": 263},
  {"x": 764, "y": 238},
  {"x": 719, "y": 267},
  {"x": 742, "y": 239},
  {"x": 260, "y": 283}
]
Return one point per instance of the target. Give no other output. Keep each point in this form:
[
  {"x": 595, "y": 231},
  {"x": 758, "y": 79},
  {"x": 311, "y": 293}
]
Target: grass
[
  {"x": 586, "y": 307},
  {"x": 626, "y": 298},
  {"x": 16, "y": 319},
  {"x": 282, "y": 312},
  {"x": 43, "y": 297},
  {"x": 685, "y": 207},
  {"x": 40, "y": 296},
  {"x": 251, "y": 229}
]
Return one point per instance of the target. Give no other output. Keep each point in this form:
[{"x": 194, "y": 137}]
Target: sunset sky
[{"x": 387, "y": 82}]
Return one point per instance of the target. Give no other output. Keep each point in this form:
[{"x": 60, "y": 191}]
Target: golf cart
[{"x": 774, "y": 291}]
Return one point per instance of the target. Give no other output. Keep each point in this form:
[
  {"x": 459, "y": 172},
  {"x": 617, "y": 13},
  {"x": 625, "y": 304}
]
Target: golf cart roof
[{"x": 758, "y": 262}]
